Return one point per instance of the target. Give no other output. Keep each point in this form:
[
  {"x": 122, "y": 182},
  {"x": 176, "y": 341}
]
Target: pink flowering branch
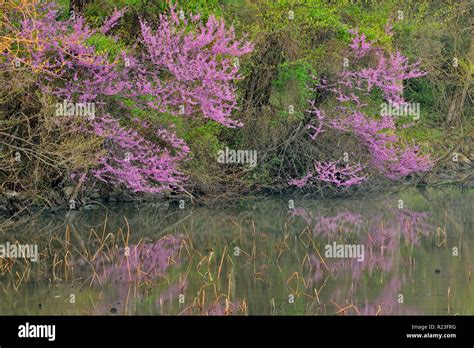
[
  {"x": 189, "y": 72},
  {"x": 301, "y": 182},
  {"x": 345, "y": 175},
  {"x": 112, "y": 21},
  {"x": 138, "y": 163},
  {"x": 359, "y": 45},
  {"x": 340, "y": 175},
  {"x": 320, "y": 118},
  {"x": 379, "y": 136}
]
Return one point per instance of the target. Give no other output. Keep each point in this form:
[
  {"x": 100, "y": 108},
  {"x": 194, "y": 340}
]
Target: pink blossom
[
  {"x": 340, "y": 175},
  {"x": 379, "y": 135}
]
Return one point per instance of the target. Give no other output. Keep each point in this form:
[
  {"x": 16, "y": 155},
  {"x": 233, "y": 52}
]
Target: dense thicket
[{"x": 141, "y": 96}]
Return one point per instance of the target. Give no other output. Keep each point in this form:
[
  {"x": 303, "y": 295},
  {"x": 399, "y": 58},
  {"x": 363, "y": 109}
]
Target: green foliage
[
  {"x": 203, "y": 139},
  {"x": 103, "y": 43},
  {"x": 97, "y": 11},
  {"x": 370, "y": 21},
  {"x": 301, "y": 72},
  {"x": 291, "y": 87},
  {"x": 421, "y": 91},
  {"x": 428, "y": 138},
  {"x": 63, "y": 7},
  {"x": 205, "y": 8}
]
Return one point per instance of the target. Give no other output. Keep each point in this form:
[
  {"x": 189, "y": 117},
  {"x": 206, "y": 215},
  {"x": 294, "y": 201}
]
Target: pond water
[{"x": 404, "y": 252}]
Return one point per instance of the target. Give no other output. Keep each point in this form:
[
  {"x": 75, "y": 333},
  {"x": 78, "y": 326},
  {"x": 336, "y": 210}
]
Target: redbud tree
[
  {"x": 371, "y": 70},
  {"x": 181, "y": 66}
]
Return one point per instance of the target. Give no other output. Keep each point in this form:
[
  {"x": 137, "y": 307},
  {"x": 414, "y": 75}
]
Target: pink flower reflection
[
  {"x": 142, "y": 262},
  {"x": 382, "y": 235}
]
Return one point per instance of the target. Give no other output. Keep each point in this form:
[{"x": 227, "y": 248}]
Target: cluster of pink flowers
[
  {"x": 380, "y": 139},
  {"x": 387, "y": 75},
  {"x": 359, "y": 45},
  {"x": 387, "y": 155},
  {"x": 65, "y": 65},
  {"x": 336, "y": 173},
  {"x": 189, "y": 72},
  {"x": 137, "y": 162},
  {"x": 340, "y": 175},
  {"x": 185, "y": 67}
]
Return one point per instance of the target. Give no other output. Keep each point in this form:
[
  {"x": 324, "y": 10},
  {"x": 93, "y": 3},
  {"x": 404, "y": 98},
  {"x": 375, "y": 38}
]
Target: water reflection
[
  {"x": 137, "y": 263},
  {"x": 258, "y": 258}
]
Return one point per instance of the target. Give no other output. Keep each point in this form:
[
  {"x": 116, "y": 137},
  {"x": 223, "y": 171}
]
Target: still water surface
[{"x": 412, "y": 253}]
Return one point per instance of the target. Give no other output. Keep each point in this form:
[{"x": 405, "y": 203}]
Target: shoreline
[{"x": 92, "y": 200}]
